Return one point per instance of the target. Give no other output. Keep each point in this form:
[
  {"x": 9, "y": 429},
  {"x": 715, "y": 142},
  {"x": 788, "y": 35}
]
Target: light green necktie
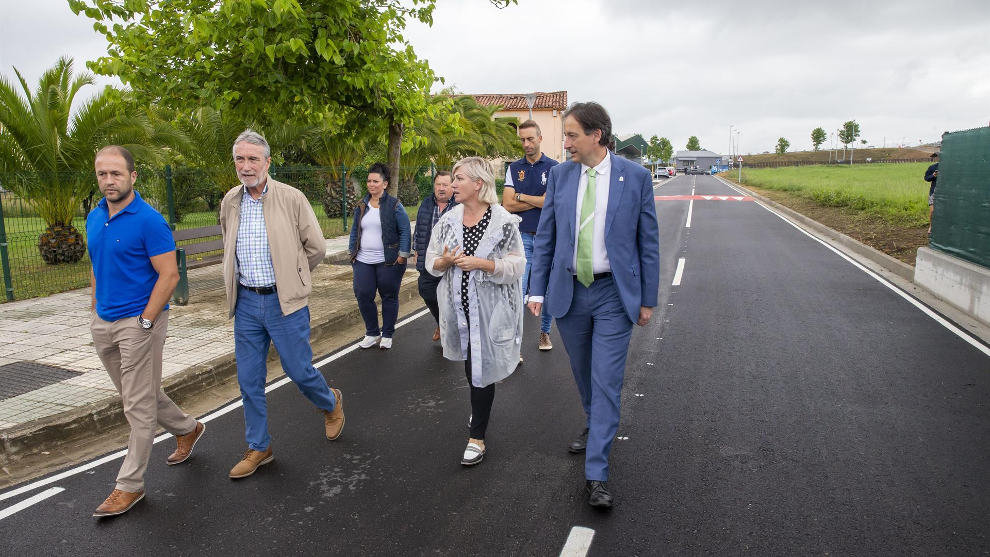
[{"x": 586, "y": 233}]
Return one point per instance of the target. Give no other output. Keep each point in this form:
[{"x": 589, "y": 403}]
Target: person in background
[
  {"x": 477, "y": 251},
  {"x": 133, "y": 274},
  {"x": 931, "y": 175},
  {"x": 525, "y": 187},
  {"x": 379, "y": 246},
  {"x": 430, "y": 211}
]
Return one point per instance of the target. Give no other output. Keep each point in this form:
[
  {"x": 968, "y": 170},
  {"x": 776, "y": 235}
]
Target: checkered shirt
[{"x": 254, "y": 257}]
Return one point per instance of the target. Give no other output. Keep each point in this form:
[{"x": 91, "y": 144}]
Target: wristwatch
[
  {"x": 145, "y": 323},
  {"x": 518, "y": 198}
]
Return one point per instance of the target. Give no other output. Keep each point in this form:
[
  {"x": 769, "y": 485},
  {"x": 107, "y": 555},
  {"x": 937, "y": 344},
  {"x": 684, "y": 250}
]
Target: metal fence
[{"x": 186, "y": 197}]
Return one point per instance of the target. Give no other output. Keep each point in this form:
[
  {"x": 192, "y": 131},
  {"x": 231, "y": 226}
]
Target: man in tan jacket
[{"x": 271, "y": 241}]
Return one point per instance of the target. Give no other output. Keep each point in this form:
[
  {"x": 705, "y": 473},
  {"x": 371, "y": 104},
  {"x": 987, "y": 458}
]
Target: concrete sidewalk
[{"x": 53, "y": 386}]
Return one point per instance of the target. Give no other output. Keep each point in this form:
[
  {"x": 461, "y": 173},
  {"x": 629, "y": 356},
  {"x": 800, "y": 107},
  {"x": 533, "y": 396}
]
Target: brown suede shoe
[
  {"x": 119, "y": 502},
  {"x": 251, "y": 461},
  {"x": 436, "y": 334},
  {"x": 545, "y": 343},
  {"x": 184, "y": 445},
  {"x": 333, "y": 420}
]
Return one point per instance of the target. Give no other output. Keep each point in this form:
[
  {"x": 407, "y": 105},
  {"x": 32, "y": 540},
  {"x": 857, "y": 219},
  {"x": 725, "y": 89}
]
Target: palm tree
[
  {"x": 49, "y": 146},
  {"x": 338, "y": 151}
]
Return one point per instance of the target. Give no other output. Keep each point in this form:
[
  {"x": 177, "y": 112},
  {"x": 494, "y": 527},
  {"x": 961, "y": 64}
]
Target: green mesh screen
[{"x": 962, "y": 196}]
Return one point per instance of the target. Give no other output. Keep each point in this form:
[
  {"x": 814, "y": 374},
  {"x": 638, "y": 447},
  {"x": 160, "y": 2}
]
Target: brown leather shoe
[
  {"x": 251, "y": 461},
  {"x": 436, "y": 334},
  {"x": 545, "y": 343},
  {"x": 334, "y": 420},
  {"x": 119, "y": 502},
  {"x": 184, "y": 445}
]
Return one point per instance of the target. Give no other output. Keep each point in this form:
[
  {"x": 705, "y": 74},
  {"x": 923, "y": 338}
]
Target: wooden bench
[{"x": 181, "y": 295}]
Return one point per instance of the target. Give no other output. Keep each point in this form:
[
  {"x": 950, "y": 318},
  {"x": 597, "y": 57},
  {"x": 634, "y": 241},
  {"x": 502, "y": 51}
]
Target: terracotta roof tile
[{"x": 555, "y": 100}]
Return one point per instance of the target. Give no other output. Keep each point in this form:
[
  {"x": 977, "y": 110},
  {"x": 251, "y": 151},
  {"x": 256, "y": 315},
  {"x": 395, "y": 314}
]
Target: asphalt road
[{"x": 782, "y": 402}]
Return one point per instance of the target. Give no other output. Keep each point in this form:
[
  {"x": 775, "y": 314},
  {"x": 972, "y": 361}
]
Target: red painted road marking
[{"x": 703, "y": 197}]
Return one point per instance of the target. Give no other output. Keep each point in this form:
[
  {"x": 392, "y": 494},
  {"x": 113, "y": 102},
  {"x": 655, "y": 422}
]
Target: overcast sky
[{"x": 905, "y": 70}]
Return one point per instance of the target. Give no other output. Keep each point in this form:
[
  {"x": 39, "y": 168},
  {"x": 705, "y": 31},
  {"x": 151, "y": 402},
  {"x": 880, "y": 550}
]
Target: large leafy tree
[
  {"x": 848, "y": 135},
  {"x": 666, "y": 149},
  {"x": 818, "y": 136},
  {"x": 48, "y": 142},
  {"x": 693, "y": 144},
  {"x": 270, "y": 60},
  {"x": 849, "y": 132}
]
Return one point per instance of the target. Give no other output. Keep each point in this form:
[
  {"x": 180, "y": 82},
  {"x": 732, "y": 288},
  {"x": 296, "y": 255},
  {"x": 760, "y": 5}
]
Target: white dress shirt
[{"x": 599, "y": 255}]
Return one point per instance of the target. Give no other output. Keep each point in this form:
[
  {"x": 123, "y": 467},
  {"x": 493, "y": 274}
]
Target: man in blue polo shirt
[
  {"x": 133, "y": 275},
  {"x": 525, "y": 186}
]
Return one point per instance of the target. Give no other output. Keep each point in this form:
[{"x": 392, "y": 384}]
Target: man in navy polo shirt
[
  {"x": 525, "y": 186},
  {"x": 133, "y": 275}
]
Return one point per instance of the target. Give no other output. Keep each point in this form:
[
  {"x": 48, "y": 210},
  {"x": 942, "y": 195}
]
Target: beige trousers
[{"x": 133, "y": 359}]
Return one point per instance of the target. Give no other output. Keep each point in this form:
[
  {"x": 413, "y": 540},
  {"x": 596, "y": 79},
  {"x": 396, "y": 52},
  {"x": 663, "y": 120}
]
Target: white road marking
[
  {"x": 928, "y": 311},
  {"x": 30, "y": 501},
  {"x": 690, "y": 210},
  {"x": 220, "y": 412},
  {"x": 678, "y": 272},
  {"x": 578, "y": 542}
]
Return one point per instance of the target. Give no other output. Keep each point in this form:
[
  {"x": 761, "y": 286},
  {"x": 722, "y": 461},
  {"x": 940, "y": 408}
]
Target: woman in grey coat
[{"x": 477, "y": 250}]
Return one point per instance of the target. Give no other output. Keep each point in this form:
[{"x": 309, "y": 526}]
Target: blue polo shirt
[
  {"x": 530, "y": 179},
  {"x": 121, "y": 249}
]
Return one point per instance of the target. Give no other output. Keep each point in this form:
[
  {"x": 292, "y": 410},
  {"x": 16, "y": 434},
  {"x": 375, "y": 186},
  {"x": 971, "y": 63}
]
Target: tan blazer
[{"x": 294, "y": 238}]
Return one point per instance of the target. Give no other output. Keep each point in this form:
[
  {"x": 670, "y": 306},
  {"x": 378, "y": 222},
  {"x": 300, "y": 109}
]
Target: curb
[
  {"x": 103, "y": 415},
  {"x": 892, "y": 264}
]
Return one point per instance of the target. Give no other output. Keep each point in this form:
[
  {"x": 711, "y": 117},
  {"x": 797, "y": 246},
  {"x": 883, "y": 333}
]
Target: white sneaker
[
  {"x": 386, "y": 343},
  {"x": 368, "y": 342}
]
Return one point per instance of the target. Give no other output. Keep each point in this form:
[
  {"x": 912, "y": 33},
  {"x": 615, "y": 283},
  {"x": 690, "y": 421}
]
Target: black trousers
[
  {"x": 428, "y": 291},
  {"x": 481, "y": 403}
]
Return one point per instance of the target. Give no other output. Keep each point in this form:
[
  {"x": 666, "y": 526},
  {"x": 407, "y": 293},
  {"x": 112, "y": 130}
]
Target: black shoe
[
  {"x": 580, "y": 444},
  {"x": 598, "y": 495}
]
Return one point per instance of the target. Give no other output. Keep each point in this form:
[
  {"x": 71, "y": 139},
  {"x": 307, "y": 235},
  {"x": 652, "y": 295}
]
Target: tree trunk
[{"x": 394, "y": 152}]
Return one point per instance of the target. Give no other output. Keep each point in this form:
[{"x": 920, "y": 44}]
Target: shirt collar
[
  {"x": 543, "y": 157},
  {"x": 603, "y": 167},
  {"x": 264, "y": 191},
  {"x": 131, "y": 207}
]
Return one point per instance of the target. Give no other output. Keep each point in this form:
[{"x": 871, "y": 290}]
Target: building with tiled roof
[{"x": 548, "y": 110}]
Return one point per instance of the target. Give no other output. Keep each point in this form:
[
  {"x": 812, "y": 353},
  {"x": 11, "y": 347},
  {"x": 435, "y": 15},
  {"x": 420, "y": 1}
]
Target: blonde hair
[{"x": 478, "y": 168}]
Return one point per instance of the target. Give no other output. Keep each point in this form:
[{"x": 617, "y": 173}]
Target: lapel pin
[{"x": 622, "y": 178}]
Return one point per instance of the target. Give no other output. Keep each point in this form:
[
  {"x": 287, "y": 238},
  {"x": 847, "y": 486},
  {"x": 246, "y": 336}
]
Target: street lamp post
[{"x": 530, "y": 101}]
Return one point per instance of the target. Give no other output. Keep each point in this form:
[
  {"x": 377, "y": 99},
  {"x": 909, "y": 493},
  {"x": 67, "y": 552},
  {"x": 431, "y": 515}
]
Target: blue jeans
[
  {"x": 596, "y": 333},
  {"x": 545, "y": 319},
  {"x": 258, "y": 321},
  {"x": 385, "y": 280}
]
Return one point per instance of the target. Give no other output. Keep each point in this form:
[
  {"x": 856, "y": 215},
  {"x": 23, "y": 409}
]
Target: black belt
[
  {"x": 261, "y": 289},
  {"x": 598, "y": 276},
  {"x": 530, "y": 233}
]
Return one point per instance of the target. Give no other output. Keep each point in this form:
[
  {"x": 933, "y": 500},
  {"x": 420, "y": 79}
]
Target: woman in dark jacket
[
  {"x": 379, "y": 247},
  {"x": 430, "y": 211}
]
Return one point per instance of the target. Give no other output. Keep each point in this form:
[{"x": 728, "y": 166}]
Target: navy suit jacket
[{"x": 632, "y": 238}]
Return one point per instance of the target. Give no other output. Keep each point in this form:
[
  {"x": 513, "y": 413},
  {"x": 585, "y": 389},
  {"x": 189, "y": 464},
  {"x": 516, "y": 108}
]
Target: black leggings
[{"x": 481, "y": 403}]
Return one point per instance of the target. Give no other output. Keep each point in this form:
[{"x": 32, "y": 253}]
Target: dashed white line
[
  {"x": 690, "y": 211},
  {"x": 30, "y": 501},
  {"x": 678, "y": 273},
  {"x": 578, "y": 542},
  {"x": 220, "y": 412}
]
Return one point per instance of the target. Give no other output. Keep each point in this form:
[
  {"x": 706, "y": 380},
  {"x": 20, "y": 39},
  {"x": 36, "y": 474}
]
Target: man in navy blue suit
[{"x": 597, "y": 252}]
